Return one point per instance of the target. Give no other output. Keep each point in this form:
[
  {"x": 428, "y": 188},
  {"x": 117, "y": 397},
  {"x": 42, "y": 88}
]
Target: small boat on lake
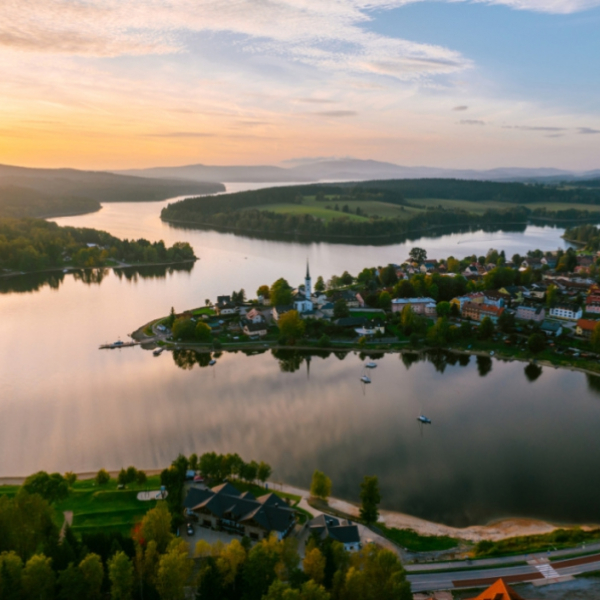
[
  {"x": 365, "y": 379},
  {"x": 424, "y": 419},
  {"x": 212, "y": 362},
  {"x": 158, "y": 351},
  {"x": 371, "y": 365}
]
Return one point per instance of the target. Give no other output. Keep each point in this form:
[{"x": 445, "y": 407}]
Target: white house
[{"x": 572, "y": 312}]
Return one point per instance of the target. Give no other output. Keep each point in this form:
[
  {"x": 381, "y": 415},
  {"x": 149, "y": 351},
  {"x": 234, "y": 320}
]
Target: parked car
[
  {"x": 198, "y": 479},
  {"x": 190, "y": 529}
]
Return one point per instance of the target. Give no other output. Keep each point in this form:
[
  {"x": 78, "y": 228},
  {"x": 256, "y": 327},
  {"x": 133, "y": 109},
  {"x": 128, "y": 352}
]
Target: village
[{"x": 544, "y": 306}]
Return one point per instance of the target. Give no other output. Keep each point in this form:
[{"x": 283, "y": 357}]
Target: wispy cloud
[
  {"x": 471, "y": 122},
  {"x": 336, "y": 113},
  {"x": 316, "y": 101},
  {"x": 588, "y": 131},
  {"x": 181, "y": 134},
  {"x": 461, "y": 108},
  {"x": 533, "y": 128}
]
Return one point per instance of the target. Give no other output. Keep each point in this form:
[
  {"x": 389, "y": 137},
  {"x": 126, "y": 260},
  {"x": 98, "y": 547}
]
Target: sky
[{"x": 110, "y": 84}]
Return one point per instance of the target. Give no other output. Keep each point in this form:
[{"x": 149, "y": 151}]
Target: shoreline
[{"x": 495, "y": 530}]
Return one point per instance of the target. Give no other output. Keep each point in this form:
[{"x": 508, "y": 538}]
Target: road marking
[{"x": 547, "y": 571}]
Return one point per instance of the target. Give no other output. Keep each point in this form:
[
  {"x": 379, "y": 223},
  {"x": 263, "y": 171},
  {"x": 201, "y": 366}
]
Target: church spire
[{"x": 307, "y": 271}]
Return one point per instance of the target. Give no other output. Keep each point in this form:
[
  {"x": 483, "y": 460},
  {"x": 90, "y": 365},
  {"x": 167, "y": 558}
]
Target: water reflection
[
  {"x": 532, "y": 372},
  {"x": 484, "y": 365}
]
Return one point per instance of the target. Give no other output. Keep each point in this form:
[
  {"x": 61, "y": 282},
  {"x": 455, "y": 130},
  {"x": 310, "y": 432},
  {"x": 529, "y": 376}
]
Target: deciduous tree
[
  {"x": 120, "y": 573},
  {"x": 320, "y": 486},
  {"x": 291, "y": 325},
  {"x": 370, "y": 499},
  {"x": 314, "y": 565}
]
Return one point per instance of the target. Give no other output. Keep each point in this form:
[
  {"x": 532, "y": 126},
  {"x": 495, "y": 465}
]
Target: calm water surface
[{"x": 500, "y": 444}]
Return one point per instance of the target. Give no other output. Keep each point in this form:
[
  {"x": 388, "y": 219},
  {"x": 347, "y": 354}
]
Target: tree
[
  {"x": 320, "y": 486},
  {"x": 141, "y": 478},
  {"x": 263, "y": 291},
  {"x": 536, "y": 343},
  {"x": 370, "y": 499},
  {"x": 203, "y": 332},
  {"x": 174, "y": 570},
  {"x": 340, "y": 309},
  {"x": 346, "y": 278},
  {"x": 418, "y": 254},
  {"x": 38, "y": 578},
  {"x": 52, "y": 487},
  {"x": 453, "y": 265},
  {"x": 388, "y": 276},
  {"x": 404, "y": 289},
  {"x": 314, "y": 565},
  {"x": 249, "y": 471},
  {"x": 92, "y": 572},
  {"x": 71, "y": 583},
  {"x": 264, "y": 471},
  {"x": 184, "y": 328},
  {"x": 156, "y": 525},
  {"x": 171, "y": 318},
  {"x": 120, "y": 573},
  {"x": 443, "y": 309},
  {"x": 230, "y": 561},
  {"x": 102, "y": 477},
  {"x": 385, "y": 300},
  {"x": 320, "y": 284},
  {"x": 595, "y": 337},
  {"x": 551, "y": 295},
  {"x": 324, "y": 341},
  {"x": 291, "y": 325},
  {"x": 259, "y": 568},
  {"x": 11, "y": 576},
  {"x": 281, "y": 293},
  {"x": 486, "y": 328},
  {"x": 70, "y": 478},
  {"x": 311, "y": 590}
]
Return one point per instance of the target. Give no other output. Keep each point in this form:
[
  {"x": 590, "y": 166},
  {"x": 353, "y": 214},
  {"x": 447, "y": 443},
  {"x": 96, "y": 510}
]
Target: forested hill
[
  {"x": 36, "y": 245},
  {"x": 54, "y": 192},
  {"x": 384, "y": 209}
]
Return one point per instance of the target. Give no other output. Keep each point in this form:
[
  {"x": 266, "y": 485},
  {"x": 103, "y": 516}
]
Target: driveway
[{"x": 209, "y": 535}]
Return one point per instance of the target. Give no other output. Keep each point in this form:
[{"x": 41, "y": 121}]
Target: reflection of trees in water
[
  {"x": 484, "y": 365},
  {"x": 152, "y": 272},
  {"x": 90, "y": 276},
  {"x": 289, "y": 360},
  {"x": 464, "y": 359},
  {"x": 409, "y": 358},
  {"x": 532, "y": 372},
  {"x": 439, "y": 360},
  {"x": 186, "y": 359},
  {"x": 371, "y": 355},
  {"x": 340, "y": 355},
  {"x": 31, "y": 283},
  {"x": 593, "y": 382}
]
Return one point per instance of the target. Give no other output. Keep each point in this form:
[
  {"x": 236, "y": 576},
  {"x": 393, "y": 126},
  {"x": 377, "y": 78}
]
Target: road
[{"x": 541, "y": 570}]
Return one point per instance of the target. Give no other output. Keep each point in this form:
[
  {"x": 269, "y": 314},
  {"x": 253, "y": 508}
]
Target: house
[
  {"x": 420, "y": 306},
  {"x": 585, "y": 327},
  {"x": 342, "y": 531},
  {"x": 499, "y": 591},
  {"x": 494, "y": 298},
  {"x": 225, "y": 306},
  {"x": 327, "y": 309},
  {"x": 528, "y": 312},
  {"x": 352, "y": 299},
  {"x": 551, "y": 328},
  {"x": 278, "y": 311},
  {"x": 478, "y": 312},
  {"x": 572, "y": 312},
  {"x": 471, "y": 271},
  {"x": 255, "y": 316},
  {"x": 476, "y": 297},
  {"x": 538, "y": 290},
  {"x": 514, "y": 291},
  {"x": 532, "y": 263},
  {"x": 371, "y": 327},
  {"x": 252, "y": 329},
  {"x": 593, "y": 307},
  {"x": 223, "y": 507}
]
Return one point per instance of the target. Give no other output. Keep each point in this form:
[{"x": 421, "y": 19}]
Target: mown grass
[
  {"x": 415, "y": 542},
  {"x": 480, "y": 207},
  {"x": 105, "y": 507},
  {"x": 9, "y": 490}
]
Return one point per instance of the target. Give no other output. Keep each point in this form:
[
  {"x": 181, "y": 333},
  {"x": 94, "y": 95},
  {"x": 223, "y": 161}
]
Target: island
[
  {"x": 542, "y": 308},
  {"x": 381, "y": 211}
]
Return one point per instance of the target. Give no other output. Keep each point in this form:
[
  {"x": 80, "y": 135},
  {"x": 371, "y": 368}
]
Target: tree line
[{"x": 35, "y": 244}]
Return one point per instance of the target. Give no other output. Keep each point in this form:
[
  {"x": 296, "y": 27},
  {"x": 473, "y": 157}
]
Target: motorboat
[
  {"x": 365, "y": 379},
  {"x": 371, "y": 365},
  {"x": 424, "y": 419},
  {"x": 212, "y": 362},
  {"x": 158, "y": 351}
]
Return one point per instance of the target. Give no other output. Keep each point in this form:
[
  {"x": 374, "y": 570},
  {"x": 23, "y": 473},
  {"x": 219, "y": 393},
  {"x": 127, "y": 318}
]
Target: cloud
[
  {"x": 471, "y": 122},
  {"x": 307, "y": 160},
  {"x": 336, "y": 113},
  {"x": 316, "y": 101},
  {"x": 533, "y": 128},
  {"x": 181, "y": 134},
  {"x": 588, "y": 131},
  {"x": 547, "y": 6},
  {"x": 461, "y": 108}
]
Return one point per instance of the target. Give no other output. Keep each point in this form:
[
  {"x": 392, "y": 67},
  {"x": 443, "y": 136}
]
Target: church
[{"x": 302, "y": 300}]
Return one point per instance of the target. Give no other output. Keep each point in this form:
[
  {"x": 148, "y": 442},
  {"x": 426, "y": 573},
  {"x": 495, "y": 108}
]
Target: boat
[
  {"x": 365, "y": 379},
  {"x": 158, "y": 351},
  {"x": 371, "y": 365},
  {"x": 424, "y": 419},
  {"x": 119, "y": 343},
  {"x": 212, "y": 362}
]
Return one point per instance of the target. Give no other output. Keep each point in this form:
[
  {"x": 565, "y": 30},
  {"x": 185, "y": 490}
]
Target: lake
[{"x": 500, "y": 444}]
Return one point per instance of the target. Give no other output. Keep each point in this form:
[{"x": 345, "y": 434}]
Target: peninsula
[{"x": 542, "y": 308}]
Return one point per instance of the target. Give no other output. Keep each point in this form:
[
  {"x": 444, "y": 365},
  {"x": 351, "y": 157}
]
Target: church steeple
[
  {"x": 307, "y": 270},
  {"x": 307, "y": 284}
]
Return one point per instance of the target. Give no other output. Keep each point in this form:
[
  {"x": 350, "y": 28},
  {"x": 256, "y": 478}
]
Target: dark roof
[
  {"x": 341, "y": 531},
  {"x": 255, "y": 326},
  {"x": 196, "y": 496},
  {"x": 283, "y": 308},
  {"x": 351, "y": 321}
]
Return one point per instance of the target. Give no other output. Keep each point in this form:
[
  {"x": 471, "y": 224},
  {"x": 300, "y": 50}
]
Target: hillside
[
  {"x": 55, "y": 192},
  {"x": 384, "y": 209}
]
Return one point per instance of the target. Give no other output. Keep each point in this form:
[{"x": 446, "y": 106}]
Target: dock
[{"x": 119, "y": 345}]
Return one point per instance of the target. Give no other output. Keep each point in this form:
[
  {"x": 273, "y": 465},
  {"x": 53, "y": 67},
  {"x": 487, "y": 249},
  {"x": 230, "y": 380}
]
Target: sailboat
[
  {"x": 371, "y": 365},
  {"x": 424, "y": 419}
]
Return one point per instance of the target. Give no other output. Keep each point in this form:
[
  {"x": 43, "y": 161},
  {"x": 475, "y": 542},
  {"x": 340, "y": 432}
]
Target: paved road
[{"x": 537, "y": 573}]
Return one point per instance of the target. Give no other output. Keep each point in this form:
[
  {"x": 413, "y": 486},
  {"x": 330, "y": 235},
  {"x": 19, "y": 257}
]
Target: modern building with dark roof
[
  {"x": 342, "y": 531},
  {"x": 224, "y": 507}
]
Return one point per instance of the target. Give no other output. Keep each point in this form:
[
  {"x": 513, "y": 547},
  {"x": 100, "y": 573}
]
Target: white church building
[{"x": 302, "y": 300}]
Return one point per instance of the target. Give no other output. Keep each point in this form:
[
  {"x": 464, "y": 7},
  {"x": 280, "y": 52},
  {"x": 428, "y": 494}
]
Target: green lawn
[
  {"x": 8, "y": 490},
  {"x": 106, "y": 507},
  {"x": 481, "y": 207},
  {"x": 204, "y": 311},
  {"x": 413, "y": 541}
]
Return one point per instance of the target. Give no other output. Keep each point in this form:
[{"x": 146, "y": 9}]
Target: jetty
[{"x": 119, "y": 345}]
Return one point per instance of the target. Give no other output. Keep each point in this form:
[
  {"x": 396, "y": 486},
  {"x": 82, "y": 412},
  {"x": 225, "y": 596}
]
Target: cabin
[{"x": 342, "y": 531}]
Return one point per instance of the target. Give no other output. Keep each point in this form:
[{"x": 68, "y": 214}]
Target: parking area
[{"x": 203, "y": 533}]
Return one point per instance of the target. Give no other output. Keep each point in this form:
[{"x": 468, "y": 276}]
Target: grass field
[
  {"x": 481, "y": 207},
  {"x": 8, "y": 490},
  {"x": 106, "y": 507},
  {"x": 414, "y": 542}
]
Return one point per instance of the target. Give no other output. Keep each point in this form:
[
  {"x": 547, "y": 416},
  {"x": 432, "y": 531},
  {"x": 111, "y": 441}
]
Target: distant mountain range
[{"x": 351, "y": 170}]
